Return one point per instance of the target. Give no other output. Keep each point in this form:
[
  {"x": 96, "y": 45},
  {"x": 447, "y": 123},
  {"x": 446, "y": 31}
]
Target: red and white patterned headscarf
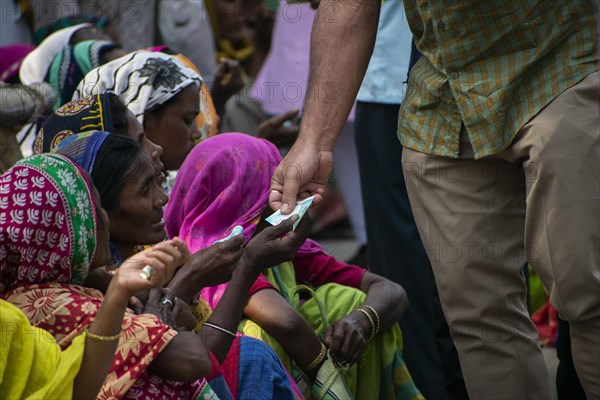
[{"x": 48, "y": 223}]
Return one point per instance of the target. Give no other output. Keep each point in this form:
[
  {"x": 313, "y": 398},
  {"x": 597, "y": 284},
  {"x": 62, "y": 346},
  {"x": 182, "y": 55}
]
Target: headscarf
[
  {"x": 223, "y": 182},
  {"x": 36, "y": 64},
  {"x": 47, "y": 242},
  {"x": 142, "y": 79},
  {"x": 81, "y": 115},
  {"x": 82, "y": 148},
  {"x": 207, "y": 118},
  {"x": 11, "y": 58},
  {"x": 72, "y": 63},
  {"x": 47, "y": 223},
  {"x": 42, "y": 33}
]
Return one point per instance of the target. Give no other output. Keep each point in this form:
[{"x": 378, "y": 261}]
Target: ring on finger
[
  {"x": 164, "y": 300},
  {"x": 147, "y": 272}
]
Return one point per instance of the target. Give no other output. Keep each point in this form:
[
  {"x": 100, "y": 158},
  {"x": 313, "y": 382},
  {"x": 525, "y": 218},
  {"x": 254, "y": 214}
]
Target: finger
[
  {"x": 136, "y": 305},
  {"x": 349, "y": 342},
  {"x": 275, "y": 197},
  {"x": 155, "y": 296},
  {"x": 327, "y": 338},
  {"x": 290, "y": 179},
  {"x": 283, "y": 227},
  {"x": 177, "y": 307},
  {"x": 337, "y": 339},
  {"x": 232, "y": 244}
]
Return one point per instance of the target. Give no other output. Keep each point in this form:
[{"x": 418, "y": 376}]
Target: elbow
[{"x": 185, "y": 359}]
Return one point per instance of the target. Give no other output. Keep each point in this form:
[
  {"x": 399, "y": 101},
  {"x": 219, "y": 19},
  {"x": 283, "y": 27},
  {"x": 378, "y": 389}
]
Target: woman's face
[
  {"x": 174, "y": 127},
  {"x": 139, "y": 218},
  {"x": 153, "y": 151}
]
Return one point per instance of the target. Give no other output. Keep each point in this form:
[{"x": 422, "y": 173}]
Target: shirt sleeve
[{"x": 319, "y": 268}]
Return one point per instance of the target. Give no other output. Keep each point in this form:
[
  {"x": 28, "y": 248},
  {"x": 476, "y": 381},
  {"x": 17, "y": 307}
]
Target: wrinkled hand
[
  {"x": 228, "y": 81},
  {"x": 215, "y": 264},
  {"x": 270, "y": 248},
  {"x": 164, "y": 310},
  {"x": 302, "y": 173},
  {"x": 347, "y": 337},
  {"x": 277, "y": 132},
  {"x": 164, "y": 257}
]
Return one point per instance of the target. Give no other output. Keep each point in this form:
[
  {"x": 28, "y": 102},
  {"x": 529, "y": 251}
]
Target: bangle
[
  {"x": 370, "y": 320},
  {"x": 101, "y": 338},
  {"x": 219, "y": 329},
  {"x": 314, "y": 363},
  {"x": 376, "y": 317}
]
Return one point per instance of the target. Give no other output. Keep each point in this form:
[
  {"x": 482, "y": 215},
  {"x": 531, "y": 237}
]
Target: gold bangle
[
  {"x": 376, "y": 317},
  {"x": 314, "y": 363},
  {"x": 100, "y": 338},
  {"x": 370, "y": 320}
]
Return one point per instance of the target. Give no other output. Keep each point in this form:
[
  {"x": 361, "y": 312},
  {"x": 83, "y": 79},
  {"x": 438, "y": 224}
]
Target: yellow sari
[{"x": 32, "y": 365}]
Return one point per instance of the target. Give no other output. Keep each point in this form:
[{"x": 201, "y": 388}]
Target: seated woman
[
  {"x": 324, "y": 309},
  {"x": 33, "y": 365},
  {"x": 124, "y": 177},
  {"x": 50, "y": 247}
]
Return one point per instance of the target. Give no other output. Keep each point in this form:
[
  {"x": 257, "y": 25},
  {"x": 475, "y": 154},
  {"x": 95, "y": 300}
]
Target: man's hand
[{"x": 301, "y": 174}]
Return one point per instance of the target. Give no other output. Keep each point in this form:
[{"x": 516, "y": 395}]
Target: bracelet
[
  {"x": 376, "y": 317},
  {"x": 314, "y": 363},
  {"x": 370, "y": 320},
  {"x": 219, "y": 329},
  {"x": 100, "y": 338}
]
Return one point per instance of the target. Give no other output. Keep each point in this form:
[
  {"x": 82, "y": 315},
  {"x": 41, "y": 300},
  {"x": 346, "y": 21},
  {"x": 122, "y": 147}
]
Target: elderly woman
[
  {"x": 351, "y": 314},
  {"x": 163, "y": 94},
  {"x": 124, "y": 177},
  {"x": 54, "y": 238}
]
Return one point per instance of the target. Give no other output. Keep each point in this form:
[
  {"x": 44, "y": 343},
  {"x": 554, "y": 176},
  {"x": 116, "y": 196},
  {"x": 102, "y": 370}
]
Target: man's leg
[
  {"x": 395, "y": 248},
  {"x": 562, "y": 232},
  {"x": 471, "y": 218}
]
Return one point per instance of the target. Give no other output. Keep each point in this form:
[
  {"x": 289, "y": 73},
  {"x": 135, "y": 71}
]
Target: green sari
[{"x": 379, "y": 374}]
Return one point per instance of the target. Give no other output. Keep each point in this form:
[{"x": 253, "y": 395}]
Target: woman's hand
[
  {"x": 169, "y": 311},
  {"x": 272, "y": 246},
  {"x": 347, "y": 337},
  {"x": 208, "y": 267},
  {"x": 215, "y": 264},
  {"x": 164, "y": 258}
]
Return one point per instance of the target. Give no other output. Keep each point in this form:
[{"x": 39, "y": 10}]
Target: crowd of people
[{"x": 139, "y": 137}]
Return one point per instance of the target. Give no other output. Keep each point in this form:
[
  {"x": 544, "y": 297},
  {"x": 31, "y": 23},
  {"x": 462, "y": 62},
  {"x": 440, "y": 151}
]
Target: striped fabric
[{"x": 491, "y": 65}]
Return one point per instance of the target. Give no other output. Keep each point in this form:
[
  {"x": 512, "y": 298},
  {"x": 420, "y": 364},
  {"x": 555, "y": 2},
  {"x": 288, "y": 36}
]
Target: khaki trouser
[{"x": 538, "y": 200}]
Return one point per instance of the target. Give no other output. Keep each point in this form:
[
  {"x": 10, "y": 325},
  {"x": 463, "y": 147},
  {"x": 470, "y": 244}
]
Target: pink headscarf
[
  {"x": 223, "y": 182},
  {"x": 11, "y": 58}
]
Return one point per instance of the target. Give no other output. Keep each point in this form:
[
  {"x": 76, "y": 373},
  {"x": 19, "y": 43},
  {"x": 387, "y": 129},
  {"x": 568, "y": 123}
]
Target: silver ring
[
  {"x": 147, "y": 272},
  {"x": 164, "y": 300}
]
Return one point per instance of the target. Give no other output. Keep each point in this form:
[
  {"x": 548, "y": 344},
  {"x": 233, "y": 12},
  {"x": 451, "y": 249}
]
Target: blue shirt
[{"x": 385, "y": 80}]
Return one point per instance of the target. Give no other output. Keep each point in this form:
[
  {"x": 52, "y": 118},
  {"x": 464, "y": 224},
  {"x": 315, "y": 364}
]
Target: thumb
[{"x": 291, "y": 175}]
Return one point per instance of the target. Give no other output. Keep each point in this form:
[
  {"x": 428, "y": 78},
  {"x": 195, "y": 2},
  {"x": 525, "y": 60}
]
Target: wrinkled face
[
  {"x": 139, "y": 218},
  {"x": 153, "y": 151},
  {"x": 102, "y": 255},
  {"x": 174, "y": 127}
]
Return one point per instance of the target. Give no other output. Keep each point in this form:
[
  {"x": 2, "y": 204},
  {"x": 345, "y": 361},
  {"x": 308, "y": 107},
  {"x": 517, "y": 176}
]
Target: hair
[
  {"x": 117, "y": 159},
  {"x": 119, "y": 111}
]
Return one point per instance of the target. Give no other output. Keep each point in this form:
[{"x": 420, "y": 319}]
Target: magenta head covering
[
  {"x": 223, "y": 182},
  {"x": 11, "y": 58}
]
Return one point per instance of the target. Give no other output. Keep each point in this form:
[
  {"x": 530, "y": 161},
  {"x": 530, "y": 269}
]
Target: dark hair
[
  {"x": 118, "y": 110},
  {"x": 117, "y": 159}
]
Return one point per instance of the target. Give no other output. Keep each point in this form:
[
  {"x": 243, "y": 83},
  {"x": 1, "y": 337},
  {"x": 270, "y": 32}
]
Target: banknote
[
  {"x": 301, "y": 208},
  {"x": 237, "y": 230}
]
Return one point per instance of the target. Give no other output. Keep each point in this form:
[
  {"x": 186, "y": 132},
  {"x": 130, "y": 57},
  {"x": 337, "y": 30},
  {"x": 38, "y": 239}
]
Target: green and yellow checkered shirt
[{"x": 491, "y": 65}]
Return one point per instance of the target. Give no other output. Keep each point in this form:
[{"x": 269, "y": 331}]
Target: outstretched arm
[{"x": 342, "y": 41}]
